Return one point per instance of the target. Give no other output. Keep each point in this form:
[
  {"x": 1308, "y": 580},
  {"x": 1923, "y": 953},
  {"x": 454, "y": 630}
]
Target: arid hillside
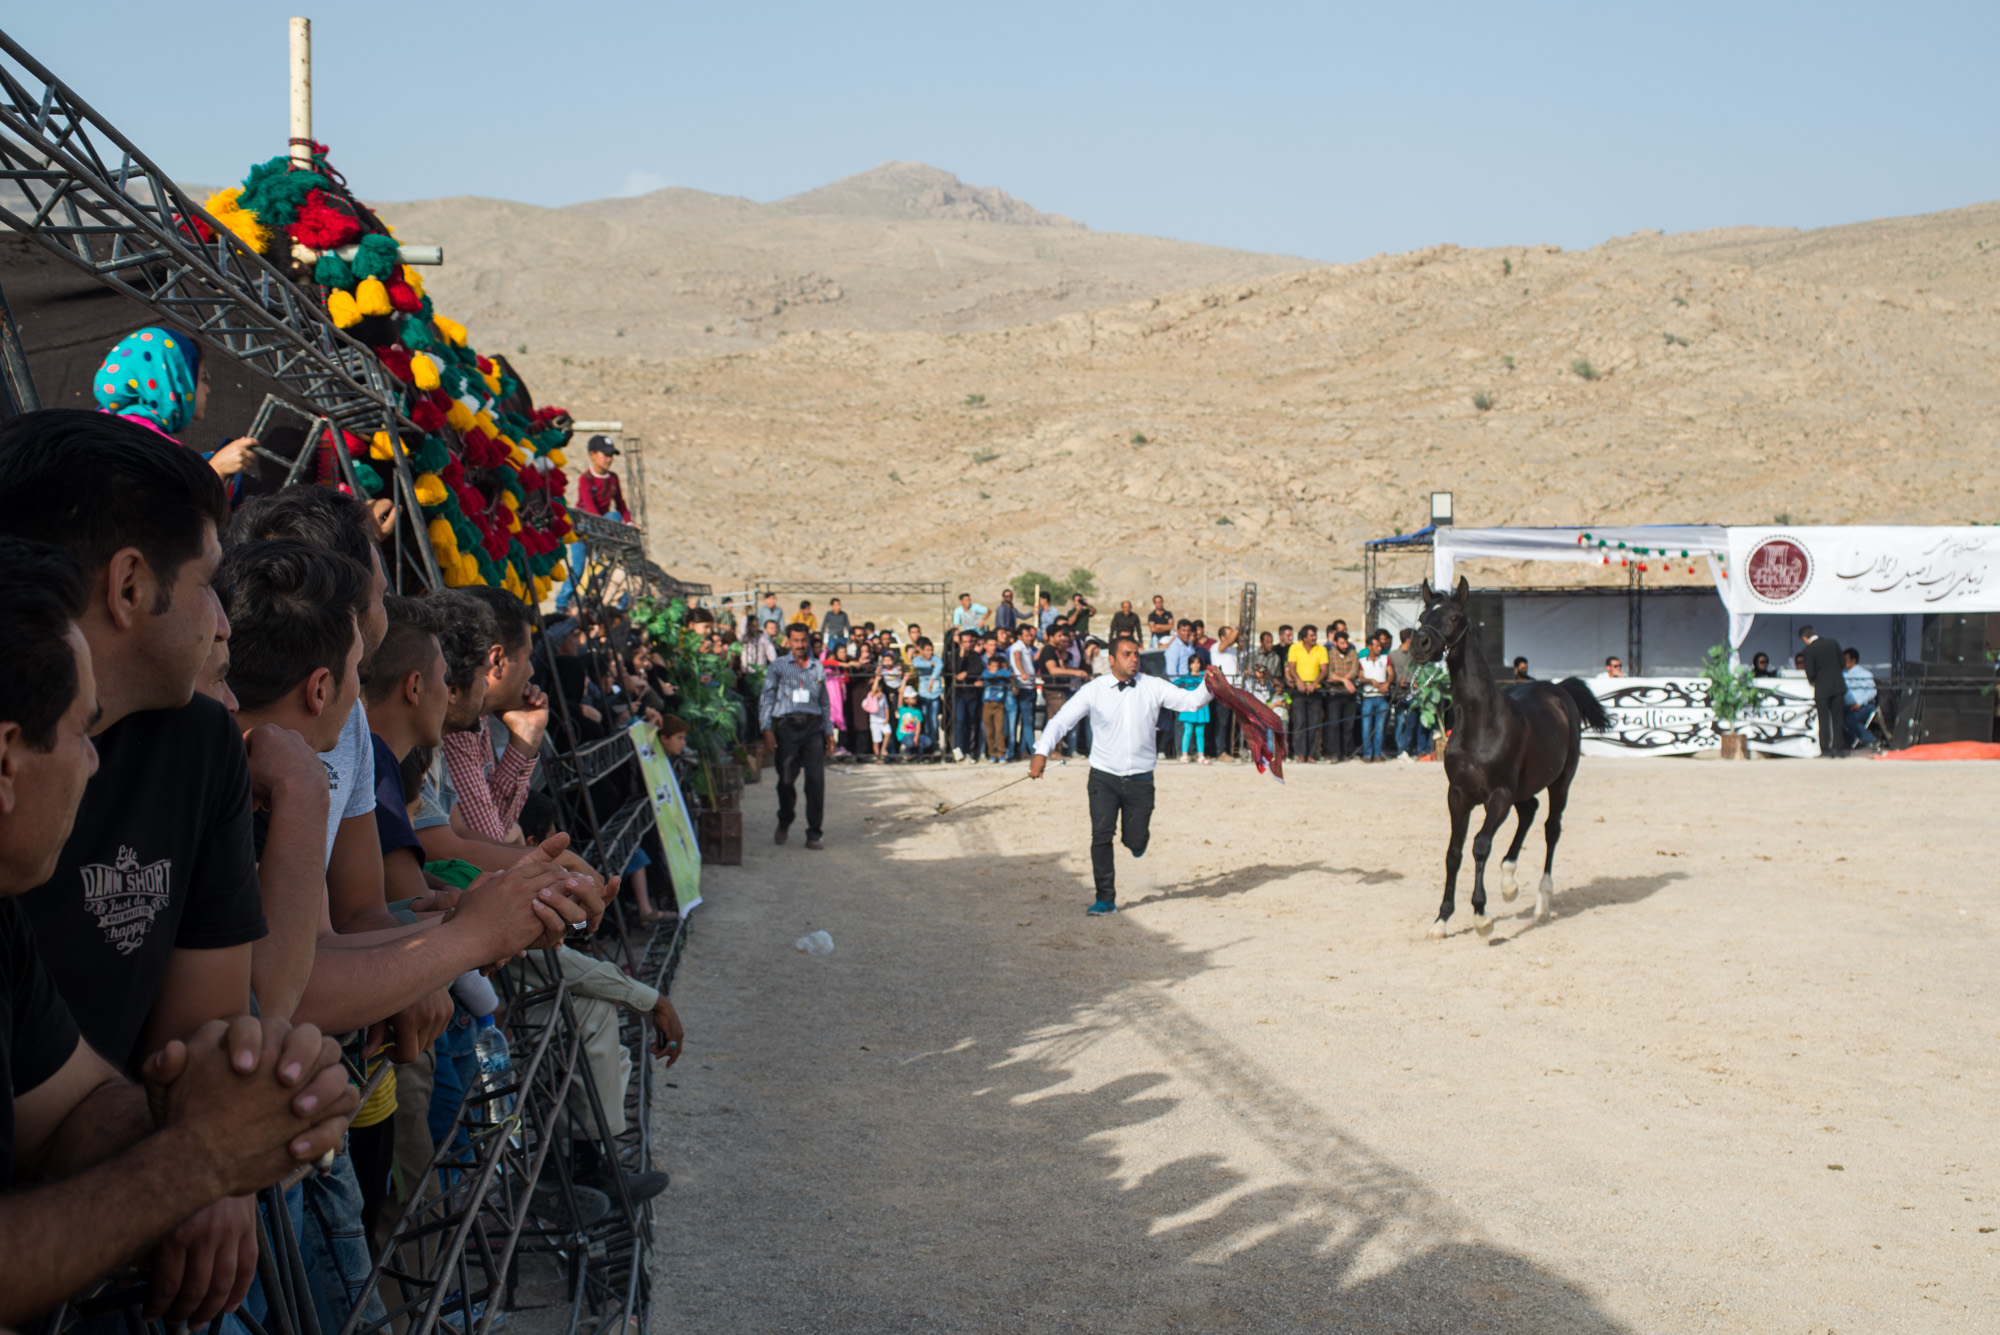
[
  {"x": 680, "y": 272},
  {"x": 1263, "y": 426}
]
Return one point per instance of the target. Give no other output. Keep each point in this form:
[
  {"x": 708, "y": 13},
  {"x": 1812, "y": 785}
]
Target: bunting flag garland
[{"x": 488, "y": 465}]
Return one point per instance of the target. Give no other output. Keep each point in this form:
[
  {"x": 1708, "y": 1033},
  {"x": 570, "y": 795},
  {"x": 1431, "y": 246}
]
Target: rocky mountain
[{"x": 681, "y": 272}]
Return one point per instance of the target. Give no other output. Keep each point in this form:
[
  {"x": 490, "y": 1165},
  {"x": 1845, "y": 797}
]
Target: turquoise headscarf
[{"x": 152, "y": 374}]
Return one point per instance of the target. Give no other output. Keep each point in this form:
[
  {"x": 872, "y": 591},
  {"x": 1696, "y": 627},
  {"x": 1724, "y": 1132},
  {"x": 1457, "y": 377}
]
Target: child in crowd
[
  {"x": 1194, "y": 722},
  {"x": 909, "y": 720},
  {"x": 876, "y": 707}
]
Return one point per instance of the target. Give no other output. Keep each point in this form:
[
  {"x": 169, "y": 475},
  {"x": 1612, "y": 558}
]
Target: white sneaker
[{"x": 957, "y": 754}]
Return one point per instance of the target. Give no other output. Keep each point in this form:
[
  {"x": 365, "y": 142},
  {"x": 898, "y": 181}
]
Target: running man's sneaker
[{"x": 1101, "y": 906}]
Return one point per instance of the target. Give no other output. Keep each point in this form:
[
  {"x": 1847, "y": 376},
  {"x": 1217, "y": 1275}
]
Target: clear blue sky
[{"x": 1331, "y": 131}]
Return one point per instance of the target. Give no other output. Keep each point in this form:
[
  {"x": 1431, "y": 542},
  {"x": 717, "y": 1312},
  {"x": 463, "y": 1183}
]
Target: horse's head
[{"x": 1442, "y": 625}]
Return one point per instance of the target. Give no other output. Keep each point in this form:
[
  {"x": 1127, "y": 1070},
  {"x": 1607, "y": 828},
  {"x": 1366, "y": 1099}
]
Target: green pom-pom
[
  {"x": 468, "y": 536},
  {"x": 377, "y": 256},
  {"x": 273, "y": 191},
  {"x": 371, "y": 481},
  {"x": 425, "y": 309},
  {"x": 451, "y": 380},
  {"x": 417, "y": 336},
  {"x": 430, "y": 455},
  {"x": 332, "y": 272}
]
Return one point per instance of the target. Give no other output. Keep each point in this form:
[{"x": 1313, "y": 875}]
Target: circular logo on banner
[{"x": 1778, "y": 570}]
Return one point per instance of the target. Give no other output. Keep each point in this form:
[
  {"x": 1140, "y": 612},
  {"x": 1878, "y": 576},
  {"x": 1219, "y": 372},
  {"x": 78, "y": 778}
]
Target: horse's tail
[{"x": 1594, "y": 717}]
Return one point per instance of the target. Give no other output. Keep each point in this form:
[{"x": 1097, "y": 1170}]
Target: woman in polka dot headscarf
[{"x": 155, "y": 377}]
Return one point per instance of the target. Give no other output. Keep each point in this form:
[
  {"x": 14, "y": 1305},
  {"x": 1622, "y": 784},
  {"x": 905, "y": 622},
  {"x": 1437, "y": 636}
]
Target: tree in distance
[
  {"x": 1482, "y": 401},
  {"x": 1059, "y": 590},
  {"x": 1583, "y": 368}
]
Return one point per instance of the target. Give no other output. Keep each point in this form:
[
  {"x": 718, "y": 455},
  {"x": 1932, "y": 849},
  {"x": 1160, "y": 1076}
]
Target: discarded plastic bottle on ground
[
  {"x": 496, "y": 1067},
  {"x": 817, "y": 943}
]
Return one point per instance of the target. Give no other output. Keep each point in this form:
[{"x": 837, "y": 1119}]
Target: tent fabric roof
[{"x": 1452, "y": 545}]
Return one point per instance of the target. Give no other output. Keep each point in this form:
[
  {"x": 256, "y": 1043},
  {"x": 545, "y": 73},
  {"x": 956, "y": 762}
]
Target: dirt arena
[{"x": 1743, "y": 1081}]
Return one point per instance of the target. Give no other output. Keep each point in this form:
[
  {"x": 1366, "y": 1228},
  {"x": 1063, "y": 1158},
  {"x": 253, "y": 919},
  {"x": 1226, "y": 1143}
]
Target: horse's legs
[
  {"x": 1497, "y": 807},
  {"x": 1461, "y": 814},
  {"x": 1509, "y": 887},
  {"x": 1552, "y": 829}
]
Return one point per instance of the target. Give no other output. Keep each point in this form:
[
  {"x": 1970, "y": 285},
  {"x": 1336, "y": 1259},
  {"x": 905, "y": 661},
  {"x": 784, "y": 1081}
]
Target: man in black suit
[{"x": 1823, "y": 668}]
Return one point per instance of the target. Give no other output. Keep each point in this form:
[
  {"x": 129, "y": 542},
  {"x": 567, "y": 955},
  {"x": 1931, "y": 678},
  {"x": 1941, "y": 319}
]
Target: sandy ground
[{"x": 1742, "y": 1082}]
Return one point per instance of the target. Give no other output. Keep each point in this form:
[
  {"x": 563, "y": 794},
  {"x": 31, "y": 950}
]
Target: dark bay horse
[{"x": 1508, "y": 742}]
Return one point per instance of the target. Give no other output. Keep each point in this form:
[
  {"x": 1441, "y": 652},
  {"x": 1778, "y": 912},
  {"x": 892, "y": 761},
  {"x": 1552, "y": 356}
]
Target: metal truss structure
[
  {"x": 616, "y": 564},
  {"x": 72, "y": 182}
]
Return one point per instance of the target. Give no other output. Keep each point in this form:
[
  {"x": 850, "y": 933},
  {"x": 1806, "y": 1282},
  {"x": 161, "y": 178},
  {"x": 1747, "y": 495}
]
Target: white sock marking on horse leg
[
  {"x": 1482, "y": 924},
  {"x": 1437, "y": 930},
  {"x": 1509, "y": 885},
  {"x": 1544, "y": 895}
]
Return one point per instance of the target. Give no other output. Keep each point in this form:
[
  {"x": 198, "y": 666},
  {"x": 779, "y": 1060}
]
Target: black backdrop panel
[{"x": 69, "y": 322}]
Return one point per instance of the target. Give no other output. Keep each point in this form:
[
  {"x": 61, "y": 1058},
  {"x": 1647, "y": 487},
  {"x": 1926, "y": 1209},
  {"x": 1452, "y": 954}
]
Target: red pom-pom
[
  {"x": 324, "y": 223},
  {"x": 496, "y": 542},
  {"x": 558, "y": 482},
  {"x": 396, "y": 360},
  {"x": 201, "y": 230},
  {"x": 355, "y": 445},
  {"x": 428, "y": 416},
  {"x": 470, "y": 501},
  {"x": 404, "y": 297},
  {"x": 485, "y": 366},
  {"x": 452, "y": 474}
]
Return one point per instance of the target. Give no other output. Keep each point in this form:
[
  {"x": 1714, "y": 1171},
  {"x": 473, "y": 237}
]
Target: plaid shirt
[{"x": 490, "y": 792}]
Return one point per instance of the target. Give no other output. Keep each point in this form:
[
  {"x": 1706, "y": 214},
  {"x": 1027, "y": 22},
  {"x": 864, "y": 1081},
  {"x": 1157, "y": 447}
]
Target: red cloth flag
[{"x": 1263, "y": 730}]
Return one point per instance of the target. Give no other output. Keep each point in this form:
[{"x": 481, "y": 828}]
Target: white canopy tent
[{"x": 1766, "y": 570}]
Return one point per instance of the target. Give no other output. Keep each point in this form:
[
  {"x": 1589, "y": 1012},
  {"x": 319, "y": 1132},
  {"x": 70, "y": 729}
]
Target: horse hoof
[
  {"x": 1509, "y": 886},
  {"x": 1437, "y": 930},
  {"x": 1482, "y": 924}
]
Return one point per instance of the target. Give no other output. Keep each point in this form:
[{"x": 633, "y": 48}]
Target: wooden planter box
[
  {"x": 721, "y": 837},
  {"x": 1734, "y": 746}
]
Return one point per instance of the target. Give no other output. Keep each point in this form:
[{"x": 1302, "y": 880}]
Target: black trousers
[
  {"x": 1111, "y": 797},
  {"x": 801, "y": 745},
  {"x": 1343, "y": 720},
  {"x": 1307, "y": 711},
  {"x": 1832, "y": 737}
]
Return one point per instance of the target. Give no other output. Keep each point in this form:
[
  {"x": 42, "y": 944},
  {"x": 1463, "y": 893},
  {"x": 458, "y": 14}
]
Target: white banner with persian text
[
  {"x": 1669, "y": 716},
  {"x": 1859, "y": 571}
]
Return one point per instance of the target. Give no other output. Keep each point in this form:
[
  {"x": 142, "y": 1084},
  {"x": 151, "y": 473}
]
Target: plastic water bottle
[
  {"x": 496, "y": 1067},
  {"x": 816, "y": 943}
]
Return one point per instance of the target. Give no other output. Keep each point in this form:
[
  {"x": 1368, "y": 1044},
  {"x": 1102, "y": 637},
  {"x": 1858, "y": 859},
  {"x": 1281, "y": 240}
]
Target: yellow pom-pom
[
  {"x": 372, "y": 297},
  {"x": 492, "y": 379},
  {"x": 444, "y": 538},
  {"x": 484, "y": 421},
  {"x": 468, "y": 569},
  {"x": 453, "y": 331},
  {"x": 423, "y": 372},
  {"x": 518, "y": 457},
  {"x": 410, "y": 277},
  {"x": 380, "y": 448},
  {"x": 430, "y": 489},
  {"x": 340, "y": 306},
  {"x": 541, "y": 587},
  {"x": 513, "y": 522},
  {"x": 557, "y": 458},
  {"x": 507, "y": 499},
  {"x": 559, "y": 571},
  {"x": 222, "y": 204},
  {"x": 459, "y": 416}
]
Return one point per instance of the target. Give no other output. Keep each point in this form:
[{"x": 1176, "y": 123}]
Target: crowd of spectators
[
  {"x": 255, "y": 812},
  {"x": 984, "y": 687}
]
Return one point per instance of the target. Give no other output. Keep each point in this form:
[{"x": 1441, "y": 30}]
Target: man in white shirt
[{"x": 1123, "y": 709}]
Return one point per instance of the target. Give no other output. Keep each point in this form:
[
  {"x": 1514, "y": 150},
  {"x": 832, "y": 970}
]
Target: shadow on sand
[{"x": 906, "y": 1136}]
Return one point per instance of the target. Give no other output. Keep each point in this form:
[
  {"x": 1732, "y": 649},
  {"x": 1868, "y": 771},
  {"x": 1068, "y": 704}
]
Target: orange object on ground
[{"x": 1946, "y": 751}]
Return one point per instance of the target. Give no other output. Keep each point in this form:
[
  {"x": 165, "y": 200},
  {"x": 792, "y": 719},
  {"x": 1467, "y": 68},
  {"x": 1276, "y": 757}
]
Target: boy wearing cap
[{"x": 597, "y": 493}]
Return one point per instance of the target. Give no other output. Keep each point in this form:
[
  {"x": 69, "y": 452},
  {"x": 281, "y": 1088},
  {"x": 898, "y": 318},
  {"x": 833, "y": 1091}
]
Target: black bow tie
[{"x": 1128, "y": 683}]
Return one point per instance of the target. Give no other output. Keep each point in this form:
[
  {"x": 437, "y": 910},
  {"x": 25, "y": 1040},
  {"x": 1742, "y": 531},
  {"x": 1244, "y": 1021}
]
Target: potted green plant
[
  {"x": 1430, "y": 696},
  {"x": 1732, "y": 693}
]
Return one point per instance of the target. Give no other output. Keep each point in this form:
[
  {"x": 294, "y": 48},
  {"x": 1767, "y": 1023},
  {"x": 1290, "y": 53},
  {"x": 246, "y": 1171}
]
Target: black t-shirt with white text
[
  {"x": 161, "y": 857},
  {"x": 37, "y": 1035}
]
